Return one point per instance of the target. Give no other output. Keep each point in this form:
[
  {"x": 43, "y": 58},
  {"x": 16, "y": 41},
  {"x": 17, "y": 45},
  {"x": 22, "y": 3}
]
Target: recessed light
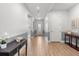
[
  {"x": 5, "y": 33},
  {"x": 37, "y": 7}
]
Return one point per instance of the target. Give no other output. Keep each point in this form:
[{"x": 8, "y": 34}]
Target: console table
[
  {"x": 13, "y": 47},
  {"x": 71, "y": 36}
]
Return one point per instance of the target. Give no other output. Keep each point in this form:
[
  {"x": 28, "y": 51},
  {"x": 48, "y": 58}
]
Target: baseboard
[
  {"x": 49, "y": 41},
  {"x": 61, "y": 41}
]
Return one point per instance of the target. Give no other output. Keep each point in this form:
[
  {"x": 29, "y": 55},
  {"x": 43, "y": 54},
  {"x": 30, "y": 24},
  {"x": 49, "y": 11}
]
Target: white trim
[
  {"x": 49, "y": 41},
  {"x": 56, "y": 41},
  {"x": 62, "y": 41}
]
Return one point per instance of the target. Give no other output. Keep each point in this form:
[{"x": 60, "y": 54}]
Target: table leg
[
  {"x": 69, "y": 40},
  {"x": 76, "y": 43},
  {"x": 26, "y": 48},
  {"x": 18, "y": 52},
  {"x": 65, "y": 39}
]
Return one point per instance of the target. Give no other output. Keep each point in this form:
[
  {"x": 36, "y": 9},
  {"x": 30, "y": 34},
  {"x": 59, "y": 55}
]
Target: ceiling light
[
  {"x": 5, "y": 33},
  {"x": 39, "y": 18},
  {"x": 37, "y": 7}
]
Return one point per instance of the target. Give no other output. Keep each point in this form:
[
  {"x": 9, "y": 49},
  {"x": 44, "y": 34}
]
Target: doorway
[{"x": 38, "y": 27}]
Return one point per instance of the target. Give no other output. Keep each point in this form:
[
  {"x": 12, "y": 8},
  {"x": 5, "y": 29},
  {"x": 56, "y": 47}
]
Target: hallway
[
  {"x": 42, "y": 25},
  {"x": 38, "y": 46}
]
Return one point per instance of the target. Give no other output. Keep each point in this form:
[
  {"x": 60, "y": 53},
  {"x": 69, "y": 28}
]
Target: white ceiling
[
  {"x": 40, "y": 10},
  {"x": 63, "y": 6}
]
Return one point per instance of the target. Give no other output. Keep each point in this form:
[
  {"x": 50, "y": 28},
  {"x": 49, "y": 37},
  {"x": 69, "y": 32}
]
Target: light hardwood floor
[
  {"x": 61, "y": 49},
  {"x": 39, "y": 46}
]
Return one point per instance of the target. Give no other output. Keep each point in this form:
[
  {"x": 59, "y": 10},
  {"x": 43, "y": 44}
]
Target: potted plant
[
  {"x": 0, "y": 41},
  {"x": 3, "y": 43}
]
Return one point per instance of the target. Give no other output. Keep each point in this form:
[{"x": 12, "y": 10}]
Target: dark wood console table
[
  {"x": 13, "y": 47},
  {"x": 71, "y": 36}
]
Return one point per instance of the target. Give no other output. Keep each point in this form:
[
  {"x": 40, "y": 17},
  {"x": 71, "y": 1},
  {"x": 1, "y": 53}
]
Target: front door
[{"x": 55, "y": 29}]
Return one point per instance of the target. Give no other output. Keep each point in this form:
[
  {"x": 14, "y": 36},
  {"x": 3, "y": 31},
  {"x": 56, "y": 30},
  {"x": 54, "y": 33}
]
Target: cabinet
[{"x": 71, "y": 37}]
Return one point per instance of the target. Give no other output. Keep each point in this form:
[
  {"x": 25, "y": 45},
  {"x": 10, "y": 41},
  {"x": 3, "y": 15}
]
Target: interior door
[
  {"x": 38, "y": 26},
  {"x": 55, "y": 29},
  {"x": 39, "y": 29}
]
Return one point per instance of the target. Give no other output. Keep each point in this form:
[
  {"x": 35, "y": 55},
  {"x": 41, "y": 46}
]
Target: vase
[
  {"x": 0, "y": 45},
  {"x": 3, "y": 46}
]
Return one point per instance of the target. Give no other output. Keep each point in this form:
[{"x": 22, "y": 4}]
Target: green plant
[{"x": 3, "y": 42}]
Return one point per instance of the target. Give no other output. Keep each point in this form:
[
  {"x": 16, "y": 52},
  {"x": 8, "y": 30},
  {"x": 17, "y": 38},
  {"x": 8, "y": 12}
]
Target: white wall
[
  {"x": 74, "y": 12},
  {"x": 74, "y": 16},
  {"x": 58, "y": 22},
  {"x": 13, "y": 19}
]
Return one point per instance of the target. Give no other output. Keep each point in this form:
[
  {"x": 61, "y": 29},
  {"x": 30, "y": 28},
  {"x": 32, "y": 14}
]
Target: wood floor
[
  {"x": 61, "y": 49},
  {"x": 39, "y": 46}
]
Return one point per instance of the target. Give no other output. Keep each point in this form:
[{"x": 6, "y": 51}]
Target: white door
[
  {"x": 39, "y": 28},
  {"x": 55, "y": 29}
]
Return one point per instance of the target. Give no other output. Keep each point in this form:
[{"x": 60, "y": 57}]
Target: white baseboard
[
  {"x": 62, "y": 41},
  {"x": 56, "y": 41},
  {"x": 49, "y": 41}
]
